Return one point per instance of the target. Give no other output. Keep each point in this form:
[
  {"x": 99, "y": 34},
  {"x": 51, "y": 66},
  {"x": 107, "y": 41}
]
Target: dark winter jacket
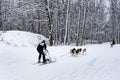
[
  {"x": 113, "y": 42},
  {"x": 40, "y": 48}
]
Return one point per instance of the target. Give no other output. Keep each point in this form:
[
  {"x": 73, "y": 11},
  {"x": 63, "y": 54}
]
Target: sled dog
[
  {"x": 84, "y": 51},
  {"x": 78, "y": 51},
  {"x": 75, "y": 52}
]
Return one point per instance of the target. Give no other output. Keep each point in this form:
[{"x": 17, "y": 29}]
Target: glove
[{"x": 46, "y": 50}]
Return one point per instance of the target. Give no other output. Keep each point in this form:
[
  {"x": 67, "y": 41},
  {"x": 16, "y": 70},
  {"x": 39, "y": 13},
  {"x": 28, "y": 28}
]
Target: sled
[{"x": 48, "y": 61}]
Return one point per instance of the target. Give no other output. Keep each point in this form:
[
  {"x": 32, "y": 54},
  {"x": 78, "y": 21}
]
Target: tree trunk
[
  {"x": 66, "y": 29},
  {"x": 49, "y": 24}
]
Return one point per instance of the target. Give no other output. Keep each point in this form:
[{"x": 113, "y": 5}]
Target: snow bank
[{"x": 20, "y": 38}]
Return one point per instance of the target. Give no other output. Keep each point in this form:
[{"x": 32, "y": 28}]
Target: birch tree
[
  {"x": 114, "y": 12},
  {"x": 118, "y": 22},
  {"x": 66, "y": 25},
  {"x": 113, "y": 17}
]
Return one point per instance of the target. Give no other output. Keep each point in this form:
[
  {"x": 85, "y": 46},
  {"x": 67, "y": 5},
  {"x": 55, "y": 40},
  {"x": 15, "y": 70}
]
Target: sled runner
[{"x": 48, "y": 61}]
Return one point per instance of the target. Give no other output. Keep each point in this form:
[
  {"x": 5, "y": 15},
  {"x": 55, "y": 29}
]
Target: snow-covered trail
[{"x": 99, "y": 63}]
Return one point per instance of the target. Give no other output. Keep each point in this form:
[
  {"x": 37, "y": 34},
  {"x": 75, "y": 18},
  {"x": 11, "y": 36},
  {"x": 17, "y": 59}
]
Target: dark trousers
[{"x": 43, "y": 55}]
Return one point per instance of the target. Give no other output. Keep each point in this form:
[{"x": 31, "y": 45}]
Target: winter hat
[{"x": 43, "y": 41}]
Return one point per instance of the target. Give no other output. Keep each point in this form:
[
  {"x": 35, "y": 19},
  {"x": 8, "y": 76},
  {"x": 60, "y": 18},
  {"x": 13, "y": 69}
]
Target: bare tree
[
  {"x": 66, "y": 25},
  {"x": 114, "y": 18}
]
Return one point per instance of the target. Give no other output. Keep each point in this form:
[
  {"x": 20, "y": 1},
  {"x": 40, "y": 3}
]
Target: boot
[{"x": 39, "y": 61}]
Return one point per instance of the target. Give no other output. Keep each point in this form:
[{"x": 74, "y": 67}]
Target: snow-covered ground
[{"x": 16, "y": 62}]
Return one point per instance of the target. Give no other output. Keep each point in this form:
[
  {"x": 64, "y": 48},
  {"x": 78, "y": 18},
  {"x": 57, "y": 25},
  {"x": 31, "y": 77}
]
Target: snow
[
  {"x": 20, "y": 38},
  {"x": 100, "y": 62}
]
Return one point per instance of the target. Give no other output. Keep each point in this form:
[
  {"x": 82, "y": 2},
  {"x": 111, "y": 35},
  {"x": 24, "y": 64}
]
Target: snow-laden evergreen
[{"x": 101, "y": 62}]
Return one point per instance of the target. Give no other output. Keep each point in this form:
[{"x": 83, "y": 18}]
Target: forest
[{"x": 65, "y": 22}]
